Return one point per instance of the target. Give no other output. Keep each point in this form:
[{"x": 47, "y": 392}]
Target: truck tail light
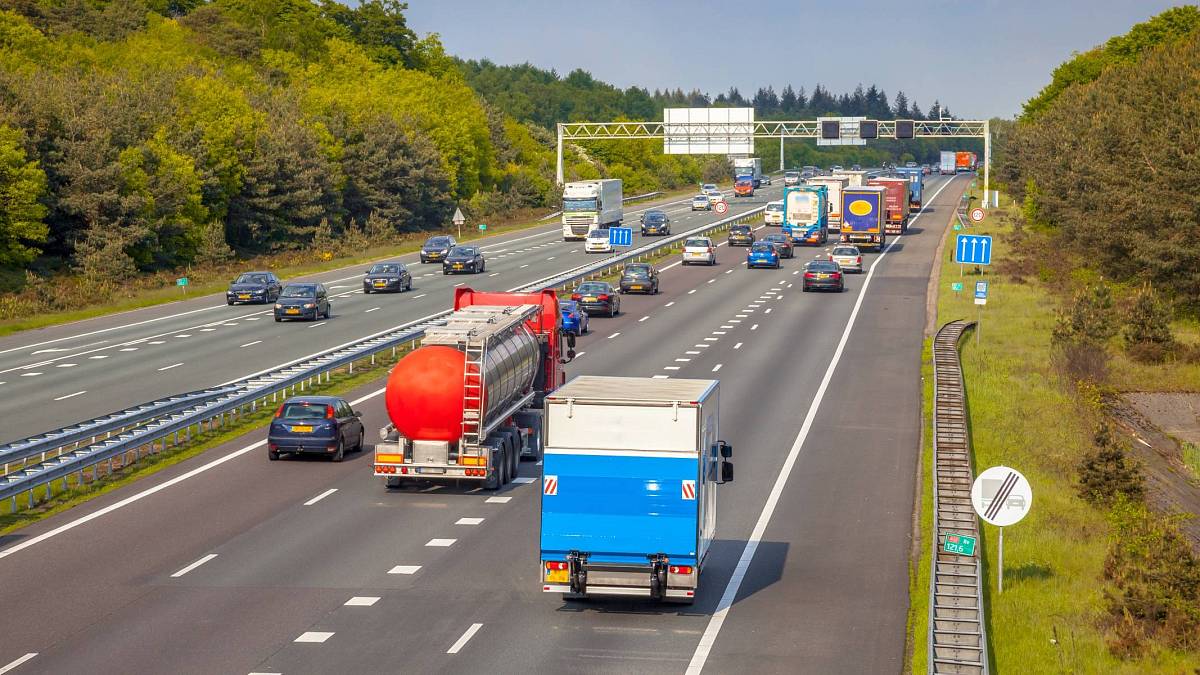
[
  {"x": 556, "y": 566},
  {"x": 679, "y": 569}
]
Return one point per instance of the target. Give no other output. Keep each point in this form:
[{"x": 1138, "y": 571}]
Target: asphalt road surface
[{"x": 228, "y": 563}]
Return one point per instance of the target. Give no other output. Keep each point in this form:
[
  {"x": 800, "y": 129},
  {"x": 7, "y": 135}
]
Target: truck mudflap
[{"x": 656, "y": 579}]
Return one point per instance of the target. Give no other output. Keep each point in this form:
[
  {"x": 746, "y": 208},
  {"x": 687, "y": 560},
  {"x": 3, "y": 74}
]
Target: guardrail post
[{"x": 351, "y": 368}]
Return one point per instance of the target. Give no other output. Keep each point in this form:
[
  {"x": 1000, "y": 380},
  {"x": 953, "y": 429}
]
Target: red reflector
[
  {"x": 404, "y": 469},
  {"x": 680, "y": 569},
  {"x": 860, "y": 259},
  {"x": 558, "y": 566}
]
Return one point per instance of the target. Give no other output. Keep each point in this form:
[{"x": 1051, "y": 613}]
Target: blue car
[
  {"x": 574, "y": 319},
  {"x": 319, "y": 425},
  {"x": 762, "y": 254}
]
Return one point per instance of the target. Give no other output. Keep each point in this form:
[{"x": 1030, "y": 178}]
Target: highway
[
  {"x": 60, "y": 375},
  {"x": 229, "y": 563}
]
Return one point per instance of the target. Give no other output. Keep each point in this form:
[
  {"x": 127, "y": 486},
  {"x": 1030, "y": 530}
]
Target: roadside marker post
[
  {"x": 981, "y": 295},
  {"x": 1001, "y": 496},
  {"x": 182, "y": 283},
  {"x": 458, "y": 219}
]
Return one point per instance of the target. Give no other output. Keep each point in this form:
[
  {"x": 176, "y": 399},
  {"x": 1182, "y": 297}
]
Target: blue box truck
[
  {"x": 916, "y": 183},
  {"x": 863, "y": 215},
  {"x": 629, "y": 479}
]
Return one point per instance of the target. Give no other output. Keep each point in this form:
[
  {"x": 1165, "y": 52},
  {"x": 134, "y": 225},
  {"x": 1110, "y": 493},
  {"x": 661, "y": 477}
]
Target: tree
[
  {"x": 22, "y": 187},
  {"x": 1147, "y": 333},
  {"x": 395, "y": 176},
  {"x": 900, "y": 106},
  {"x": 787, "y": 101}
]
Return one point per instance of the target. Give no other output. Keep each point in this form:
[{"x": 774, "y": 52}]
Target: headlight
[
  {"x": 309, "y": 305},
  {"x": 278, "y": 306}
]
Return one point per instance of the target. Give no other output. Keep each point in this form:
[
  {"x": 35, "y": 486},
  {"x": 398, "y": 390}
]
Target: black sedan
[
  {"x": 824, "y": 275},
  {"x": 597, "y": 297},
  {"x": 320, "y": 425},
  {"x": 260, "y": 287},
  {"x": 783, "y": 244},
  {"x": 741, "y": 235},
  {"x": 437, "y": 248},
  {"x": 302, "y": 301},
  {"x": 391, "y": 276},
  {"x": 655, "y": 222},
  {"x": 639, "y": 278},
  {"x": 464, "y": 259}
]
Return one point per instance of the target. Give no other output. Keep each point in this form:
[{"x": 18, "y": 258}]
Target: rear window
[
  {"x": 777, "y": 238},
  {"x": 303, "y": 411},
  {"x": 740, "y": 229},
  {"x": 823, "y": 266},
  {"x": 775, "y": 208},
  {"x": 697, "y": 243},
  {"x": 637, "y": 271},
  {"x": 762, "y": 247},
  {"x": 592, "y": 287},
  {"x": 845, "y": 251}
]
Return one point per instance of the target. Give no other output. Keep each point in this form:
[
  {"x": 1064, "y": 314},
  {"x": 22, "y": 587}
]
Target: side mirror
[
  {"x": 726, "y": 472},
  {"x": 571, "y": 341},
  {"x": 357, "y": 413}
]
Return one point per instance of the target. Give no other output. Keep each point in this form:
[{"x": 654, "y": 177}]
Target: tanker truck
[{"x": 467, "y": 404}]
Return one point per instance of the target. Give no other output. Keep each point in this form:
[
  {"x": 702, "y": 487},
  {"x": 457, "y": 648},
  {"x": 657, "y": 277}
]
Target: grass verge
[
  {"x": 1048, "y": 619},
  {"x": 920, "y": 569}
]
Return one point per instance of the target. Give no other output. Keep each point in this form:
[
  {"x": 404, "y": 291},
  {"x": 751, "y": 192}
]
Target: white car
[
  {"x": 701, "y": 203},
  {"x": 715, "y": 196},
  {"x": 708, "y": 187},
  {"x": 847, "y": 257},
  {"x": 765, "y": 180},
  {"x": 699, "y": 250},
  {"x": 791, "y": 178},
  {"x": 597, "y": 241},
  {"x": 774, "y": 213}
]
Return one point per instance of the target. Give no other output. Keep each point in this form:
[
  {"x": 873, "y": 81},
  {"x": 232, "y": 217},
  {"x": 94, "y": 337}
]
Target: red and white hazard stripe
[
  {"x": 550, "y": 485},
  {"x": 689, "y": 489}
]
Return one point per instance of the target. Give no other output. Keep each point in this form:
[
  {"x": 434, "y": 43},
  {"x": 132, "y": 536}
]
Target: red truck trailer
[{"x": 896, "y": 203}]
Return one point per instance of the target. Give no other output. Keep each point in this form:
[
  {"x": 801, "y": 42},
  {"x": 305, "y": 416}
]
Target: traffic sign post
[
  {"x": 620, "y": 236},
  {"x": 182, "y": 283},
  {"x": 981, "y": 293},
  {"x": 458, "y": 219},
  {"x": 973, "y": 249},
  {"x": 721, "y": 207},
  {"x": 1001, "y": 496},
  {"x": 956, "y": 286},
  {"x": 483, "y": 227},
  {"x": 977, "y": 214}
]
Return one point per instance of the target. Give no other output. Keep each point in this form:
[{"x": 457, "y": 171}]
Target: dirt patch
[{"x": 1170, "y": 485}]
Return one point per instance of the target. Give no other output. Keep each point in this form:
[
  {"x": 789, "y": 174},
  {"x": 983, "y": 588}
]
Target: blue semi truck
[{"x": 629, "y": 478}]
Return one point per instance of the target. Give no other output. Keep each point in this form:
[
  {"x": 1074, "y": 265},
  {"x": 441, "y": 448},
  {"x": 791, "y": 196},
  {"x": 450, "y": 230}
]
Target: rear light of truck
[
  {"x": 678, "y": 569},
  {"x": 556, "y": 566}
]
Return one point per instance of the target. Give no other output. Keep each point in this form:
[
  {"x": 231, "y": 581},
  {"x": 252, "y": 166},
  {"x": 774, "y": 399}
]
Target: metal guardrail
[
  {"x": 161, "y": 420},
  {"x": 957, "y": 630},
  {"x": 624, "y": 200}
]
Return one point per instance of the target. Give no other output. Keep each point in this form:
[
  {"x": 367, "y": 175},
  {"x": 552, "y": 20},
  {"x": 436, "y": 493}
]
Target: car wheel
[
  {"x": 273, "y": 455},
  {"x": 340, "y": 453},
  {"x": 445, "y": 271},
  {"x": 229, "y": 302},
  {"x": 804, "y": 288},
  {"x": 278, "y": 319},
  {"x": 366, "y": 290},
  {"x": 362, "y": 437}
]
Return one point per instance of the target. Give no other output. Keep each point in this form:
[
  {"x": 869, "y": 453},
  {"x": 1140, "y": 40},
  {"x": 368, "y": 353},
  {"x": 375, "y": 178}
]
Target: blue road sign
[
  {"x": 973, "y": 249},
  {"x": 981, "y": 290},
  {"x": 620, "y": 236}
]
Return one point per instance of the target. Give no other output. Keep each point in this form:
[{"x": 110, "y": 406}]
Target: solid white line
[
  {"x": 362, "y": 601},
  {"x": 700, "y": 656},
  {"x": 78, "y": 393},
  {"x": 18, "y": 662},
  {"x": 373, "y": 309},
  {"x": 661, "y": 377},
  {"x": 321, "y": 496},
  {"x": 404, "y": 569},
  {"x": 468, "y": 521},
  {"x": 193, "y": 566},
  {"x": 674, "y": 264},
  {"x": 462, "y": 641},
  {"x": 314, "y": 636},
  {"x": 173, "y": 365},
  {"x": 441, "y": 543},
  {"x": 251, "y": 344},
  {"x": 716, "y": 367}
]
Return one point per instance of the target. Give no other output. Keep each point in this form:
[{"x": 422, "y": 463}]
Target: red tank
[{"x": 424, "y": 394}]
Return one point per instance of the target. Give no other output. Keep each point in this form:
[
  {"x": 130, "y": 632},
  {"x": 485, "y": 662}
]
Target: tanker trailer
[{"x": 467, "y": 403}]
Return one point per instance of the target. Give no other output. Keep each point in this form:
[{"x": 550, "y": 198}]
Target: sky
[{"x": 982, "y": 58}]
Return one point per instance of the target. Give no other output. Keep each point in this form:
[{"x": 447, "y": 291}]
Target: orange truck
[
  {"x": 964, "y": 161},
  {"x": 743, "y": 187},
  {"x": 896, "y": 204}
]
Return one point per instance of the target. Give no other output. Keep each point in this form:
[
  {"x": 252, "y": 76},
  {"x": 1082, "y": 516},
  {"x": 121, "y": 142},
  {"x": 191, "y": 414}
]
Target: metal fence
[
  {"x": 109, "y": 442},
  {"x": 957, "y": 630}
]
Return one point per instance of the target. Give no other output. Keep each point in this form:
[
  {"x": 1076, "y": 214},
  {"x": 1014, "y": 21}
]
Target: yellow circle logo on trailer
[{"x": 861, "y": 207}]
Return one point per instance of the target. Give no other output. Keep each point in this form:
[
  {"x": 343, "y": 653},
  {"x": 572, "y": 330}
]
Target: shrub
[
  {"x": 1147, "y": 330},
  {"x": 1108, "y": 472},
  {"x": 1082, "y": 332}
]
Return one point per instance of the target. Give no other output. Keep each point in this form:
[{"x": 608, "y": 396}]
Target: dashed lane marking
[
  {"x": 404, "y": 569},
  {"x": 373, "y": 309},
  {"x": 466, "y": 637},
  {"x": 468, "y": 521},
  {"x": 173, "y": 365},
  {"x": 738, "y": 346},
  {"x": 497, "y": 500},
  {"x": 78, "y": 393},
  {"x": 13, "y": 664},
  {"x": 716, "y": 367},
  {"x": 321, "y": 496},
  {"x": 362, "y": 601},
  {"x": 314, "y": 636},
  {"x": 250, "y": 344},
  {"x": 193, "y": 566},
  {"x": 614, "y": 335}
]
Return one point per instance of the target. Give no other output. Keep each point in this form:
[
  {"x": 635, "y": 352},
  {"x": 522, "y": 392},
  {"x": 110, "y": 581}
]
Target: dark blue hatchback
[{"x": 322, "y": 425}]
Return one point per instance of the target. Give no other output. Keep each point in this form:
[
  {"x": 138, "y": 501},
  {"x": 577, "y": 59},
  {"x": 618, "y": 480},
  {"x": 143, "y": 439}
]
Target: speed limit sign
[
  {"x": 977, "y": 214},
  {"x": 721, "y": 207}
]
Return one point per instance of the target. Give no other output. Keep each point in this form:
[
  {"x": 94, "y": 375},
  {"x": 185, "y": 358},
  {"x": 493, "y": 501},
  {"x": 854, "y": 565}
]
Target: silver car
[
  {"x": 701, "y": 203},
  {"x": 849, "y": 258}
]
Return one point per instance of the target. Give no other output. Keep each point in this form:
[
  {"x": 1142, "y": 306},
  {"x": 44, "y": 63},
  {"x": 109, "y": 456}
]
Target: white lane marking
[
  {"x": 796, "y": 272},
  {"x": 98, "y": 357},
  {"x": 691, "y": 291},
  {"x": 755, "y": 305},
  {"x": 494, "y": 274},
  {"x": 433, "y": 488},
  {"x": 674, "y": 264},
  {"x": 362, "y": 601},
  {"x": 700, "y": 656},
  {"x": 66, "y": 365},
  {"x": 711, "y": 280},
  {"x": 193, "y": 566},
  {"x": 670, "y": 367},
  {"x": 373, "y": 309},
  {"x": 683, "y": 360},
  {"x": 738, "y": 346},
  {"x": 497, "y": 500},
  {"x": 728, "y": 271},
  {"x": 661, "y": 377},
  {"x": 52, "y": 350},
  {"x": 202, "y": 330},
  {"x": 468, "y": 521},
  {"x": 251, "y": 344},
  {"x": 525, "y": 480},
  {"x": 754, "y": 327},
  {"x": 157, "y": 342},
  {"x": 669, "y": 303},
  {"x": 253, "y": 318},
  {"x": 420, "y": 296},
  {"x": 702, "y": 346},
  {"x": 314, "y": 636},
  {"x": 30, "y": 374},
  {"x": 466, "y": 637},
  {"x": 461, "y": 283},
  {"x": 107, "y": 330},
  {"x": 441, "y": 543},
  {"x": 78, "y": 393},
  {"x": 173, "y": 365},
  {"x": 719, "y": 332},
  {"x": 321, "y": 496},
  {"x": 693, "y": 351},
  {"x": 317, "y": 325},
  {"x": 748, "y": 311},
  {"x": 716, "y": 367},
  {"x": 726, "y": 326},
  {"x": 734, "y": 321},
  {"x": 643, "y": 319},
  {"x": 131, "y": 349},
  {"x": 524, "y": 266},
  {"x": 579, "y": 354},
  {"x": 404, "y": 569},
  {"x": 741, "y": 316},
  {"x": 184, "y": 335},
  {"x": 614, "y": 335},
  {"x": 229, "y": 324},
  {"x": 767, "y": 311},
  {"x": 17, "y": 662},
  {"x": 550, "y": 258}
]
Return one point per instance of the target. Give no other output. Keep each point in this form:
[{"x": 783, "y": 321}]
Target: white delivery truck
[
  {"x": 946, "y": 164},
  {"x": 629, "y": 486},
  {"x": 855, "y": 178},
  {"x": 591, "y": 204},
  {"x": 748, "y": 166},
  {"x": 835, "y": 185}
]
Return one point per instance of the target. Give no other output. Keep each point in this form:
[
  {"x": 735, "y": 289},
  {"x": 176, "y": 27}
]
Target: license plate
[
  {"x": 243, "y": 296},
  {"x": 302, "y": 429},
  {"x": 458, "y": 267},
  {"x": 381, "y": 283},
  {"x": 822, "y": 276},
  {"x": 635, "y": 287},
  {"x": 430, "y": 470},
  {"x": 291, "y": 310},
  {"x": 589, "y": 298},
  {"x": 557, "y": 576}
]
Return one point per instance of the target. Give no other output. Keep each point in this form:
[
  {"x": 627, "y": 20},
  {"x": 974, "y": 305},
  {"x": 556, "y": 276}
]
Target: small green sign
[
  {"x": 957, "y": 227},
  {"x": 181, "y": 281},
  {"x": 956, "y": 286},
  {"x": 959, "y": 543},
  {"x": 482, "y": 227}
]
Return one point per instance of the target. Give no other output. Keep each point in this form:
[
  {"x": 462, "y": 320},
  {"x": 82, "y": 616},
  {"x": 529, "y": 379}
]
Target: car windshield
[
  {"x": 438, "y": 242},
  {"x": 697, "y": 243},
  {"x": 740, "y": 229},
  {"x": 792, "y": 174},
  {"x": 384, "y": 269},
  {"x": 655, "y": 217},
  {"x": 303, "y": 411},
  {"x": 845, "y": 251},
  {"x": 592, "y": 287},
  {"x": 462, "y": 250},
  {"x": 762, "y": 247},
  {"x": 598, "y": 234},
  {"x": 252, "y": 279},
  {"x": 298, "y": 292}
]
